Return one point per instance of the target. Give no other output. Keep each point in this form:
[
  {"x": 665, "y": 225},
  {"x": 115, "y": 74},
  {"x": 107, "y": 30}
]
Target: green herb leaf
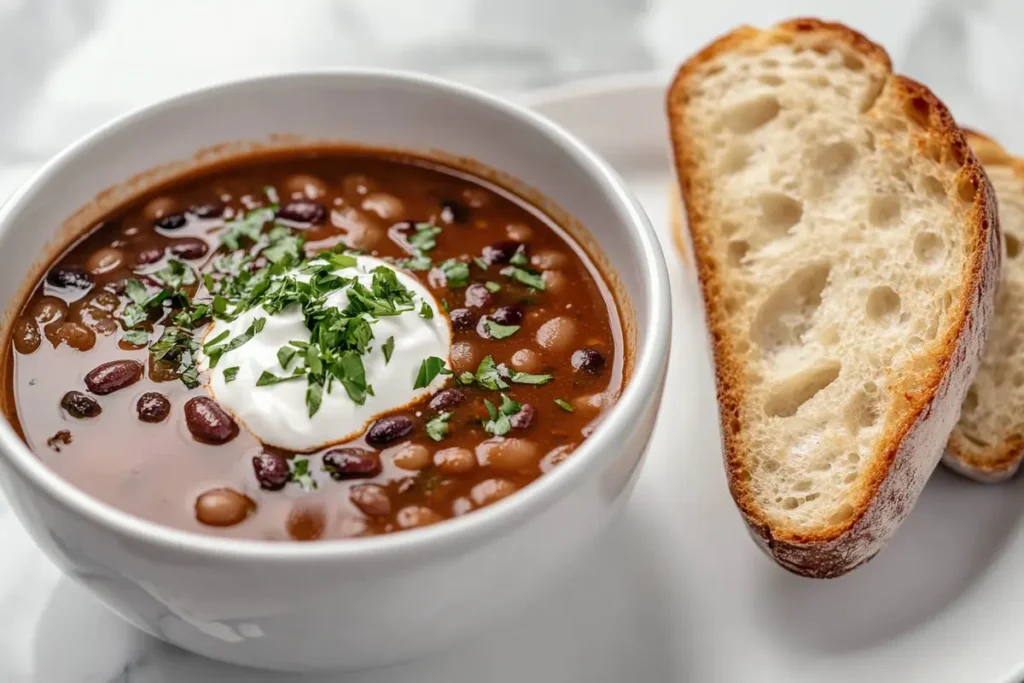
[
  {"x": 424, "y": 237},
  {"x": 230, "y": 374},
  {"x": 388, "y": 348},
  {"x": 136, "y": 337},
  {"x": 349, "y": 370},
  {"x": 437, "y": 428},
  {"x": 499, "y": 331},
  {"x": 527, "y": 378},
  {"x": 314, "y": 396},
  {"x": 175, "y": 275},
  {"x": 500, "y": 424},
  {"x": 487, "y": 375},
  {"x": 445, "y": 306},
  {"x": 216, "y": 340},
  {"x": 429, "y": 369},
  {"x": 247, "y": 227},
  {"x": 285, "y": 354},
  {"x": 301, "y": 474},
  {"x": 526, "y": 276},
  {"x": 481, "y": 263},
  {"x": 132, "y": 315},
  {"x": 426, "y": 311},
  {"x": 177, "y": 348},
  {"x": 283, "y": 246},
  {"x": 456, "y": 273},
  {"x": 136, "y": 291},
  {"x": 519, "y": 258},
  {"x": 419, "y": 262},
  {"x": 492, "y": 287},
  {"x": 564, "y": 405},
  {"x": 267, "y": 378},
  {"x": 217, "y": 352},
  {"x": 491, "y": 410}
]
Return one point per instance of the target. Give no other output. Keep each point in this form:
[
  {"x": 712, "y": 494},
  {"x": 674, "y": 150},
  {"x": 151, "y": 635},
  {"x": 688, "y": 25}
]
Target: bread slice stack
[
  {"x": 988, "y": 442},
  {"x": 847, "y": 247}
]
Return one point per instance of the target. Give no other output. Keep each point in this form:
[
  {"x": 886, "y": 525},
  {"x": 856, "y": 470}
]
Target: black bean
[
  {"x": 271, "y": 470},
  {"x": 446, "y": 399},
  {"x": 153, "y": 407},
  {"x": 501, "y": 252},
  {"x": 173, "y": 221},
  {"x": 462, "y": 319},
  {"x": 524, "y": 417},
  {"x": 478, "y": 296},
  {"x": 69, "y": 278},
  {"x": 211, "y": 210},
  {"x": 79, "y": 405},
  {"x": 351, "y": 463},
  {"x": 189, "y": 248},
  {"x": 116, "y": 374},
  {"x": 508, "y": 315},
  {"x": 208, "y": 422},
  {"x": 388, "y": 430},
  {"x": 454, "y": 212},
  {"x": 587, "y": 360},
  {"x": 302, "y": 211}
]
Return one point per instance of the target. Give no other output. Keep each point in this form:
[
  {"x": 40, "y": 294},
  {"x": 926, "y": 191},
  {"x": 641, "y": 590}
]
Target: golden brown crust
[
  {"x": 1002, "y": 460},
  {"x": 882, "y": 504}
]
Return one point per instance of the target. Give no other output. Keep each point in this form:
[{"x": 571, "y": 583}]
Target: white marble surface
[{"x": 68, "y": 65}]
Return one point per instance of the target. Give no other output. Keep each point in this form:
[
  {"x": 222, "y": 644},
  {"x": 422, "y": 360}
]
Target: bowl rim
[{"x": 651, "y": 358}]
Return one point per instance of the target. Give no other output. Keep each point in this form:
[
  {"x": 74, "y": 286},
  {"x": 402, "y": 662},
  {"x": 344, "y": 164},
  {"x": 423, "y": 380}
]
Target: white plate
[{"x": 945, "y": 600}]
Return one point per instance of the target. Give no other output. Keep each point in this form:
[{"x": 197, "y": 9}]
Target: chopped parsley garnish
[
  {"x": 499, "y": 331},
  {"x": 133, "y": 314},
  {"x": 388, "y": 348},
  {"x": 136, "y": 291},
  {"x": 525, "y": 276},
  {"x": 136, "y": 337},
  {"x": 230, "y": 374},
  {"x": 481, "y": 263},
  {"x": 429, "y": 369},
  {"x": 456, "y": 273},
  {"x": 420, "y": 262},
  {"x": 487, "y": 376},
  {"x": 175, "y": 275},
  {"x": 176, "y": 347},
  {"x": 564, "y": 405},
  {"x": 424, "y": 239},
  {"x": 301, "y": 474},
  {"x": 499, "y": 424},
  {"x": 267, "y": 378},
  {"x": 248, "y": 226},
  {"x": 527, "y": 378},
  {"x": 519, "y": 258},
  {"x": 216, "y": 351},
  {"x": 285, "y": 354},
  {"x": 437, "y": 428},
  {"x": 282, "y": 245},
  {"x": 492, "y": 287},
  {"x": 426, "y": 311}
]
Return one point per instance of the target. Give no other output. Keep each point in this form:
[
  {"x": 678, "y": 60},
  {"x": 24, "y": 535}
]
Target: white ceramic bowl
[{"x": 370, "y": 601}]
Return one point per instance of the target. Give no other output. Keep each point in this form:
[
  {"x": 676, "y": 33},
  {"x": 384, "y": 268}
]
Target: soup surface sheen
[{"x": 315, "y": 345}]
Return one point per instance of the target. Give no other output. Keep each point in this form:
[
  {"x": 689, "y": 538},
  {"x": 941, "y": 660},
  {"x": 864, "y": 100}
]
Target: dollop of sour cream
[{"x": 277, "y": 414}]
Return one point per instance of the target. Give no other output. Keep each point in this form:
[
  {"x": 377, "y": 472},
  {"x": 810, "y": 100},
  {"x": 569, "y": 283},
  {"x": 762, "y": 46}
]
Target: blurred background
[{"x": 69, "y": 65}]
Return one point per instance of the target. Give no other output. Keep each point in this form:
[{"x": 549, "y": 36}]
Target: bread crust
[
  {"x": 1004, "y": 459},
  {"x": 911, "y": 448}
]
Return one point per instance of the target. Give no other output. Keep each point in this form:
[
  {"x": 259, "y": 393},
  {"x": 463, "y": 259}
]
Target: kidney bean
[
  {"x": 371, "y": 499},
  {"x": 508, "y": 315},
  {"x": 454, "y": 212},
  {"x": 302, "y": 211},
  {"x": 79, "y": 405},
  {"x": 189, "y": 248},
  {"x": 104, "y": 300},
  {"x": 75, "y": 335},
  {"x": 271, "y": 470},
  {"x": 351, "y": 463},
  {"x": 210, "y": 210},
  {"x": 26, "y": 336},
  {"x": 153, "y": 407},
  {"x": 69, "y": 278},
  {"x": 455, "y": 460},
  {"x": 147, "y": 256},
  {"x": 527, "y": 360},
  {"x": 509, "y": 454},
  {"x": 464, "y": 357},
  {"x": 549, "y": 259},
  {"x": 104, "y": 260},
  {"x": 388, "y": 207},
  {"x": 223, "y": 507},
  {"x": 158, "y": 208},
  {"x": 208, "y": 422},
  {"x": 491, "y": 490},
  {"x": 49, "y": 309},
  {"x": 446, "y": 399},
  {"x": 519, "y": 232},
  {"x": 304, "y": 184},
  {"x": 412, "y": 456},
  {"x": 174, "y": 221},
  {"x": 524, "y": 417},
  {"x": 462, "y": 319},
  {"x": 556, "y": 334},
  {"x": 388, "y": 429},
  {"x": 587, "y": 360},
  {"x": 501, "y": 252},
  {"x": 116, "y": 374},
  {"x": 477, "y": 296},
  {"x": 306, "y": 522},
  {"x": 416, "y": 516}
]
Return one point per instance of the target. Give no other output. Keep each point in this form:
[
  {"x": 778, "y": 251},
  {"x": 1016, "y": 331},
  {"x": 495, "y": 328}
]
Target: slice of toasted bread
[
  {"x": 988, "y": 442},
  {"x": 847, "y": 246}
]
